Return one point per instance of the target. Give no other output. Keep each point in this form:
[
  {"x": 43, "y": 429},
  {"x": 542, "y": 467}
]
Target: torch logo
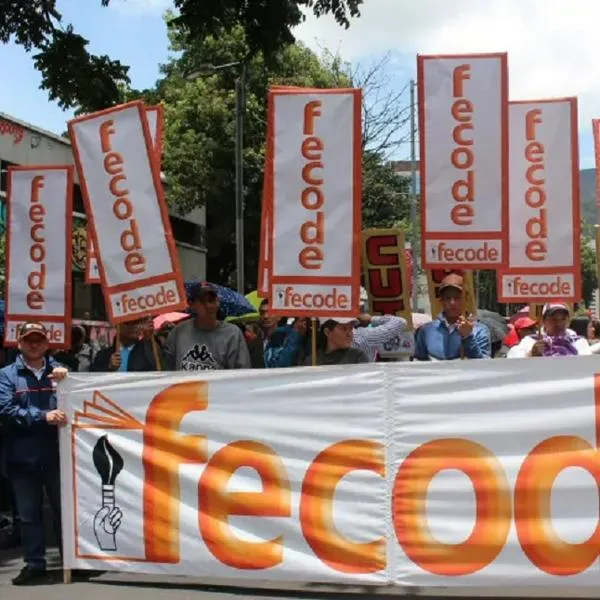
[{"x": 108, "y": 463}]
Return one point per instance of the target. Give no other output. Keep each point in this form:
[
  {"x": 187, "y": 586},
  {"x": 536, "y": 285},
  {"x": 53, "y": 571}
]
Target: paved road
[{"x": 121, "y": 586}]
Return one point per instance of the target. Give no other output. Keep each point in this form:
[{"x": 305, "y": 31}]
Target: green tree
[
  {"x": 200, "y": 134},
  {"x": 589, "y": 280},
  {"x": 78, "y": 79}
]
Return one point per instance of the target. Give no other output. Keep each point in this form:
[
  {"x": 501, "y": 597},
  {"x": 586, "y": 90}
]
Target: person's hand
[
  {"x": 301, "y": 326},
  {"x": 115, "y": 360},
  {"x": 56, "y": 417},
  {"x": 465, "y": 326},
  {"x": 365, "y": 319},
  {"x": 58, "y": 373},
  {"x": 106, "y": 523},
  {"x": 538, "y": 349}
]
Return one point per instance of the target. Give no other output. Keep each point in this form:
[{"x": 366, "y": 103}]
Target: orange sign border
[
  {"x": 502, "y": 235},
  {"x": 175, "y": 275},
  {"x": 68, "y": 317},
  {"x": 574, "y": 270},
  {"x": 354, "y": 279}
]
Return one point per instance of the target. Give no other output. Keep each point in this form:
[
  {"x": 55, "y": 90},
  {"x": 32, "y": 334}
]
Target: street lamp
[{"x": 240, "y": 106}]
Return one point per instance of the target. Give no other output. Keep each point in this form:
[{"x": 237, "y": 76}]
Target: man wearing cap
[
  {"x": 336, "y": 345},
  {"x": 29, "y": 416},
  {"x": 205, "y": 343},
  {"x": 452, "y": 335},
  {"x": 555, "y": 339}
]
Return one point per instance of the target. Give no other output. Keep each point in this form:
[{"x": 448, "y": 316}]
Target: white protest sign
[
  {"x": 127, "y": 212},
  {"x": 39, "y": 251},
  {"x": 314, "y": 177},
  {"x": 463, "y": 111},
  {"x": 544, "y": 222}
]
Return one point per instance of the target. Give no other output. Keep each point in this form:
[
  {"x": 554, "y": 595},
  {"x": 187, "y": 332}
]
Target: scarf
[{"x": 559, "y": 345}]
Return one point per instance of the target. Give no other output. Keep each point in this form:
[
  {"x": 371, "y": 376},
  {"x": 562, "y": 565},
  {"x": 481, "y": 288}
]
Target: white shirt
[
  {"x": 37, "y": 372},
  {"x": 523, "y": 349}
]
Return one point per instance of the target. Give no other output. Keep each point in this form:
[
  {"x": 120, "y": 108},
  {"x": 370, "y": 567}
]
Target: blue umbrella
[{"x": 233, "y": 304}]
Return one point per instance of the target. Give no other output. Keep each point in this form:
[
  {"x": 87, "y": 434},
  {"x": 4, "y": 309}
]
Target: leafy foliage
[
  {"x": 200, "y": 135},
  {"x": 78, "y": 79}
]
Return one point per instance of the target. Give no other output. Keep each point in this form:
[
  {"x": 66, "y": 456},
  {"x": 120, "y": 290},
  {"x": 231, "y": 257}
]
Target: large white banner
[
  {"x": 544, "y": 222},
  {"x": 120, "y": 179},
  {"x": 314, "y": 179},
  {"x": 466, "y": 473},
  {"x": 463, "y": 114},
  {"x": 39, "y": 251}
]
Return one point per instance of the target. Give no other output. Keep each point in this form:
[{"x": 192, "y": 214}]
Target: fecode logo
[
  {"x": 137, "y": 302},
  {"x": 384, "y": 263},
  {"x": 527, "y": 506},
  {"x": 334, "y": 299},
  {"x": 484, "y": 253},
  {"x": 554, "y": 286}
]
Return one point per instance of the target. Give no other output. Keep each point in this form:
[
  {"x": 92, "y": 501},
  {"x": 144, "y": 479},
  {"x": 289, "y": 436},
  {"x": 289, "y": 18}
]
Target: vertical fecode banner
[
  {"x": 463, "y": 115},
  {"x": 39, "y": 251},
  {"x": 385, "y": 273},
  {"x": 434, "y": 280},
  {"x": 131, "y": 231},
  {"x": 156, "y": 122},
  {"x": 544, "y": 222},
  {"x": 314, "y": 178}
]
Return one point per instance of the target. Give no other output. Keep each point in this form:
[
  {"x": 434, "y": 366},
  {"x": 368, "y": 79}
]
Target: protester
[
  {"x": 335, "y": 347},
  {"x": 204, "y": 342},
  {"x": 134, "y": 352},
  {"x": 555, "y": 340},
  {"x": 29, "y": 416},
  {"x": 593, "y": 333},
  {"x": 289, "y": 344},
  {"x": 375, "y": 332},
  {"x": 80, "y": 357},
  {"x": 452, "y": 335}
]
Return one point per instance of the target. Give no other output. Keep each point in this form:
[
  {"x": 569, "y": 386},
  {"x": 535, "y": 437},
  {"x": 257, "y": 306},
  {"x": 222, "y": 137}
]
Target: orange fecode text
[
  {"x": 131, "y": 242},
  {"x": 527, "y": 507},
  {"x": 463, "y": 157},
  {"x": 535, "y": 197},
  {"x": 312, "y": 232},
  {"x": 36, "y": 280}
]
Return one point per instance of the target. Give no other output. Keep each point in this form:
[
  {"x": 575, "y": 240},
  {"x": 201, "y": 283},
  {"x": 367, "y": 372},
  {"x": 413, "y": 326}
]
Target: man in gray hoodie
[{"x": 205, "y": 343}]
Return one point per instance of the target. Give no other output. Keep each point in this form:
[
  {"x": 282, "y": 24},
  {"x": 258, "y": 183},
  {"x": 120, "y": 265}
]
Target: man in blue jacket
[
  {"x": 29, "y": 417},
  {"x": 453, "y": 334}
]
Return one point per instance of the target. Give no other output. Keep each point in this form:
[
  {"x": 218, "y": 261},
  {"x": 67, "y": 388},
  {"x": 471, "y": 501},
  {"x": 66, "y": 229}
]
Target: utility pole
[
  {"x": 240, "y": 105},
  {"x": 413, "y": 195}
]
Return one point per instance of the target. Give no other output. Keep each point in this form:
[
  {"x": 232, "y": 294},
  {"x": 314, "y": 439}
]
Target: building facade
[{"x": 24, "y": 144}]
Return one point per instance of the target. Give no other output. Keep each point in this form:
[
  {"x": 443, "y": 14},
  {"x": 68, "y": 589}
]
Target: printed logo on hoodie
[{"x": 198, "y": 358}]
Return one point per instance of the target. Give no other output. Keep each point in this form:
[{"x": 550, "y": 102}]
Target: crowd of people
[{"x": 30, "y": 418}]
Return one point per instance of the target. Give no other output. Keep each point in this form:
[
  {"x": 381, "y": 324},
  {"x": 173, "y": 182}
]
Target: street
[{"x": 121, "y": 586}]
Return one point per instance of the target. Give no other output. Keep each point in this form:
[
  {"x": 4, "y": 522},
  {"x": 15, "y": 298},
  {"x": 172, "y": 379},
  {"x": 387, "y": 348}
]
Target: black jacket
[{"x": 141, "y": 358}]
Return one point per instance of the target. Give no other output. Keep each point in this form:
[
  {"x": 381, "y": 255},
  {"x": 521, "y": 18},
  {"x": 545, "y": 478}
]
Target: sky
[{"x": 553, "y": 47}]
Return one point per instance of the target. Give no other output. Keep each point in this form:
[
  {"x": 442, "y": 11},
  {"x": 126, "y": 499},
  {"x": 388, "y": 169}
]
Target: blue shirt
[
  {"x": 125, "y": 352},
  {"x": 439, "y": 340}
]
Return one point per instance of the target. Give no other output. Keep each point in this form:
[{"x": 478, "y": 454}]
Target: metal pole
[
  {"x": 240, "y": 101},
  {"x": 413, "y": 196}
]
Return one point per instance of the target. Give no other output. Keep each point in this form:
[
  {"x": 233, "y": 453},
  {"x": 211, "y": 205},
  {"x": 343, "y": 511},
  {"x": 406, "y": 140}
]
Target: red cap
[{"x": 525, "y": 323}]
